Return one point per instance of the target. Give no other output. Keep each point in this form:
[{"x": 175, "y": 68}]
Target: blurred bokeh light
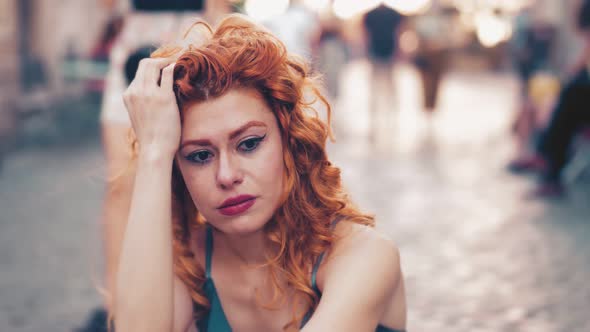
[
  {"x": 491, "y": 29},
  {"x": 409, "y": 7},
  {"x": 262, "y": 10}
]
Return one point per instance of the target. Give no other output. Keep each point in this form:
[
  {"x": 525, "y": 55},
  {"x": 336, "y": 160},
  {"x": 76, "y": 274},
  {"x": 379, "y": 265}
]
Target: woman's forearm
[
  {"x": 144, "y": 296},
  {"x": 114, "y": 222}
]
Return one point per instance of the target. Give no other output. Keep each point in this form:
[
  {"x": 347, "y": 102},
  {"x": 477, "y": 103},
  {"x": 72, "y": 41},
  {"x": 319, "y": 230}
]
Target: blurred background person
[
  {"x": 381, "y": 26},
  {"x": 296, "y": 27},
  {"x": 522, "y": 57},
  {"x": 534, "y": 109},
  {"x": 112, "y": 209},
  {"x": 146, "y": 22},
  {"x": 330, "y": 51},
  {"x": 432, "y": 56},
  {"x": 531, "y": 50},
  {"x": 569, "y": 118}
]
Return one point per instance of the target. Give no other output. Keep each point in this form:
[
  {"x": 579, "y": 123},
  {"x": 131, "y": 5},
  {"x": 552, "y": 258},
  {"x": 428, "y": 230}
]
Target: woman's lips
[{"x": 232, "y": 210}]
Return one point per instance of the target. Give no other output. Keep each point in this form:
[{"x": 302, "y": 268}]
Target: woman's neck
[{"x": 247, "y": 250}]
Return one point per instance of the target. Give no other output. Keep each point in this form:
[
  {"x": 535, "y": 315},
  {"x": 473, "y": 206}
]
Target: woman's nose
[{"x": 228, "y": 172}]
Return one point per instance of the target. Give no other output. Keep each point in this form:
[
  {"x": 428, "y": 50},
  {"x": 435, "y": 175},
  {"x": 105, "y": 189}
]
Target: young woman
[{"x": 238, "y": 221}]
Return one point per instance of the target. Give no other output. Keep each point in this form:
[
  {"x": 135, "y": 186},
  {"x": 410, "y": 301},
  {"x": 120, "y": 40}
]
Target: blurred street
[{"x": 476, "y": 253}]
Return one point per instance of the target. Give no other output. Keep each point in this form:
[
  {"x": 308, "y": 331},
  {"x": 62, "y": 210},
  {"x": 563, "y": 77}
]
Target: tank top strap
[
  {"x": 208, "y": 251},
  {"x": 314, "y": 273},
  {"x": 318, "y": 262}
]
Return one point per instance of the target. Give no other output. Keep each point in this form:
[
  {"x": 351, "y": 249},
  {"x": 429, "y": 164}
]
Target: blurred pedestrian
[
  {"x": 296, "y": 27},
  {"x": 114, "y": 210},
  {"x": 146, "y": 22},
  {"x": 432, "y": 55},
  {"x": 530, "y": 49},
  {"x": 149, "y": 22},
  {"x": 381, "y": 26},
  {"x": 535, "y": 108},
  {"x": 570, "y": 116},
  {"x": 331, "y": 52}
]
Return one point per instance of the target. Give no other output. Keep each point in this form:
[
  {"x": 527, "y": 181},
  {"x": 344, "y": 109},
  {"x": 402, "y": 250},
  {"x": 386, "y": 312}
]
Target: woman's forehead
[{"x": 226, "y": 114}]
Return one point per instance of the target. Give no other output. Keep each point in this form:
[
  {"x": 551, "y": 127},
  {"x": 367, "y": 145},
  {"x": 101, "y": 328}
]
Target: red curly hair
[{"x": 242, "y": 54}]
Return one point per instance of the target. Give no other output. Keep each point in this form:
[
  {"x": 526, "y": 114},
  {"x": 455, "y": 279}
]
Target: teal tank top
[{"x": 215, "y": 320}]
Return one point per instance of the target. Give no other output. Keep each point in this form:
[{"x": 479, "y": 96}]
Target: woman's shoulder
[
  {"x": 361, "y": 277},
  {"x": 357, "y": 248},
  {"x": 351, "y": 237}
]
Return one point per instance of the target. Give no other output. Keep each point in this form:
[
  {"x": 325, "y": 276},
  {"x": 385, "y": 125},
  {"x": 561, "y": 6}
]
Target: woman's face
[{"x": 231, "y": 159}]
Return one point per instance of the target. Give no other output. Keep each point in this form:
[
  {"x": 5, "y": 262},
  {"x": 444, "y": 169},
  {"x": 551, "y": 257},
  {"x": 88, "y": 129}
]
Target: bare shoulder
[
  {"x": 360, "y": 279},
  {"x": 355, "y": 241},
  {"x": 364, "y": 249}
]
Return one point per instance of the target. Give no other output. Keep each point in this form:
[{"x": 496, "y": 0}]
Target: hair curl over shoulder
[{"x": 241, "y": 54}]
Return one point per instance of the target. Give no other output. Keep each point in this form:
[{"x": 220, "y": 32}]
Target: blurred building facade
[
  {"x": 36, "y": 36},
  {"x": 51, "y": 30}
]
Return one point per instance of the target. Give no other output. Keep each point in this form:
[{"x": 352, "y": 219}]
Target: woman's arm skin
[
  {"x": 117, "y": 198},
  {"x": 362, "y": 282},
  {"x": 145, "y": 278},
  {"x": 144, "y": 296},
  {"x": 183, "y": 309}
]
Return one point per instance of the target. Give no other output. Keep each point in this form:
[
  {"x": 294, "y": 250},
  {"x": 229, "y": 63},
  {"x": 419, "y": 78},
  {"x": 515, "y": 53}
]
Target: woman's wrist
[{"x": 152, "y": 156}]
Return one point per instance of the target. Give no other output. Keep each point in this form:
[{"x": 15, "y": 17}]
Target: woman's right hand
[{"x": 153, "y": 110}]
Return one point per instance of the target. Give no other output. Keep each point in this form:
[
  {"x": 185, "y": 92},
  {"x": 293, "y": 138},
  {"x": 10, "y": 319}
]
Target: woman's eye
[
  {"x": 250, "y": 144},
  {"x": 200, "y": 157}
]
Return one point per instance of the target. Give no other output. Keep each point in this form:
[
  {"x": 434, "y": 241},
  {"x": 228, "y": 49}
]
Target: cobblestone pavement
[
  {"x": 49, "y": 210},
  {"x": 476, "y": 254}
]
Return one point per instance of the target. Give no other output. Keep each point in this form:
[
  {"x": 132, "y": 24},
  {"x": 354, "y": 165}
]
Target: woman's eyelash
[
  {"x": 254, "y": 140},
  {"x": 191, "y": 157},
  {"x": 247, "y": 146}
]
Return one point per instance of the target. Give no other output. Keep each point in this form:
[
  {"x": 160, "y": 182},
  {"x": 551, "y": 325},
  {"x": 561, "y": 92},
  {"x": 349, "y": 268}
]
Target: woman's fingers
[
  {"x": 167, "y": 77},
  {"x": 152, "y": 109},
  {"x": 148, "y": 72}
]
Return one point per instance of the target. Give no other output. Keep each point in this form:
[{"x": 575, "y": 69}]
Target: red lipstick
[{"x": 236, "y": 205}]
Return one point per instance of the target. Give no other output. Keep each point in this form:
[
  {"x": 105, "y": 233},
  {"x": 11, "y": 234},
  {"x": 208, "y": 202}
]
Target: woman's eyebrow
[
  {"x": 233, "y": 134},
  {"x": 245, "y": 127},
  {"x": 201, "y": 142}
]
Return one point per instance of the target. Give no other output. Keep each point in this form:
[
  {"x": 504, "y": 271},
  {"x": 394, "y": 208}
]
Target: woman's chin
[{"x": 244, "y": 225}]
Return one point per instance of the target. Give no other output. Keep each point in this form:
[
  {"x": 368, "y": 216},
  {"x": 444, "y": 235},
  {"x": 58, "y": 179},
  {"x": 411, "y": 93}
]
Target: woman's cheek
[
  {"x": 197, "y": 188},
  {"x": 275, "y": 165},
  {"x": 269, "y": 164}
]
